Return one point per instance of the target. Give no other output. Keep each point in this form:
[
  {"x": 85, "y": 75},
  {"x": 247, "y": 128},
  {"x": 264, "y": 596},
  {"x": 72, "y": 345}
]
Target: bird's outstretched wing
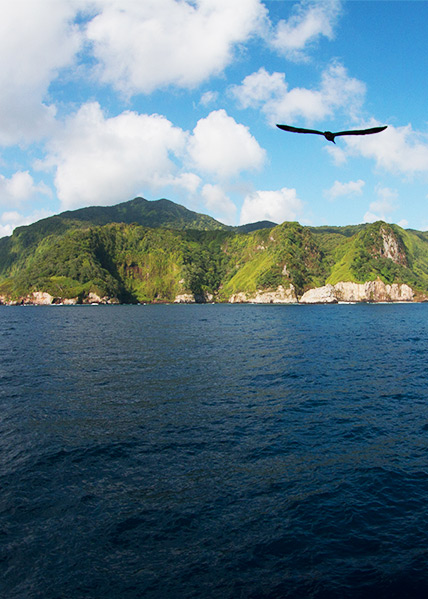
[
  {"x": 361, "y": 131},
  {"x": 329, "y": 135},
  {"x": 299, "y": 129}
]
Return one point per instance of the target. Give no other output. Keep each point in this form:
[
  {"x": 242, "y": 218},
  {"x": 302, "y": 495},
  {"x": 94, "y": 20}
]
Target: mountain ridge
[
  {"x": 159, "y": 251},
  {"x": 151, "y": 213}
]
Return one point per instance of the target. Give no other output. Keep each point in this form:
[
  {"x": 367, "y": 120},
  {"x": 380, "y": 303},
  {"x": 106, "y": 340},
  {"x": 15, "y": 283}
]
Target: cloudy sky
[{"x": 105, "y": 100}]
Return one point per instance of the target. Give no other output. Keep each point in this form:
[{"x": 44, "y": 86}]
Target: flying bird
[{"x": 329, "y": 135}]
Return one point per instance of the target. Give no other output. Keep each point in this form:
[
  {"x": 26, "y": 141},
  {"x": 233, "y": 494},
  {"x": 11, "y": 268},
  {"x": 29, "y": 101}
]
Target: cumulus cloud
[
  {"x": 222, "y": 147},
  {"x": 311, "y": 20},
  {"x": 142, "y": 46},
  {"x": 339, "y": 189},
  {"x": 382, "y": 208},
  {"x": 186, "y": 181},
  {"x": 137, "y": 47},
  {"x": 37, "y": 39},
  {"x": 271, "y": 93},
  {"x": 259, "y": 88},
  {"x": 397, "y": 149},
  {"x": 218, "y": 203},
  {"x": 100, "y": 160},
  {"x": 277, "y": 206},
  {"x": 11, "y": 219},
  {"x": 19, "y": 188}
]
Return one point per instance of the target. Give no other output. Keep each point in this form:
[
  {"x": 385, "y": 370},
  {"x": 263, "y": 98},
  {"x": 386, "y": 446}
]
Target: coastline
[{"x": 343, "y": 292}]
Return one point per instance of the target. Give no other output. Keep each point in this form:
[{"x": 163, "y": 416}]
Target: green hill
[
  {"x": 142, "y": 251},
  {"x": 157, "y": 213}
]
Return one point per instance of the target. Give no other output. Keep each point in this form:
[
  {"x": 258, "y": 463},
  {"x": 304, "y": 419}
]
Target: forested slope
[{"x": 142, "y": 251}]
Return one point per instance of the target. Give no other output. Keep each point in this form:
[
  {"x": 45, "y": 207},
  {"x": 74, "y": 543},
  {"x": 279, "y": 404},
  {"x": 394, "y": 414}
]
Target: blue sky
[{"x": 105, "y": 100}]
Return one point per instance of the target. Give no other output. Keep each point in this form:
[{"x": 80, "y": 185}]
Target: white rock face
[
  {"x": 375, "y": 291},
  {"x": 371, "y": 291},
  {"x": 239, "y": 298},
  {"x": 71, "y": 301},
  {"x": 391, "y": 248},
  {"x": 184, "y": 298},
  {"x": 401, "y": 293},
  {"x": 319, "y": 295},
  {"x": 40, "y": 298},
  {"x": 93, "y": 298},
  {"x": 279, "y": 296}
]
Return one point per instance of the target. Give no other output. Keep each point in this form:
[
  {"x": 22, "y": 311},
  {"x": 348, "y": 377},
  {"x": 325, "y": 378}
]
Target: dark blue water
[{"x": 214, "y": 452}]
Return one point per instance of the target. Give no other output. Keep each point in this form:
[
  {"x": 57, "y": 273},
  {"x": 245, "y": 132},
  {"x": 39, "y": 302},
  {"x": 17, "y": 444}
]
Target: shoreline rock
[
  {"x": 42, "y": 298},
  {"x": 342, "y": 292},
  {"x": 371, "y": 291},
  {"x": 278, "y": 296},
  {"x": 184, "y": 298}
]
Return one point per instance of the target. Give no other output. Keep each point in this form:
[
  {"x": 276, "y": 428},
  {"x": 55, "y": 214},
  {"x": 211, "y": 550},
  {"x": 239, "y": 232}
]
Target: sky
[{"x": 102, "y": 101}]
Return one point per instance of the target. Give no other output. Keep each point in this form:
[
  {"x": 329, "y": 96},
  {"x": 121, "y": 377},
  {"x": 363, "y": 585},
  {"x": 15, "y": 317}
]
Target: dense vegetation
[{"x": 152, "y": 251}]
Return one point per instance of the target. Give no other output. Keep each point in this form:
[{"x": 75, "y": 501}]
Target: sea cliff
[
  {"x": 277, "y": 296},
  {"x": 342, "y": 292},
  {"x": 371, "y": 291},
  {"x": 41, "y": 298}
]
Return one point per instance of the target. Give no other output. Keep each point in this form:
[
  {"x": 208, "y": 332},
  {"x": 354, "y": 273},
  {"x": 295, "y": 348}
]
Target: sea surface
[{"x": 214, "y": 451}]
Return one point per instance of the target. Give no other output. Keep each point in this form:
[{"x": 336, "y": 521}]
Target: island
[{"x": 144, "y": 251}]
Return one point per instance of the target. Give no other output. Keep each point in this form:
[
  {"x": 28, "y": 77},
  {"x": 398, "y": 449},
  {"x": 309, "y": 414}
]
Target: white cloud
[
  {"x": 37, "y": 39},
  {"x": 260, "y": 87},
  {"x": 142, "y": 46},
  {"x": 8, "y": 221},
  {"x": 384, "y": 206},
  {"x": 101, "y": 160},
  {"x": 208, "y": 98},
  {"x": 222, "y": 147},
  {"x": 339, "y": 189},
  {"x": 218, "y": 203},
  {"x": 137, "y": 47},
  {"x": 397, "y": 149},
  {"x": 278, "y": 206},
  {"x": 311, "y": 20},
  {"x": 20, "y": 187},
  {"x": 5, "y": 230},
  {"x": 11, "y": 219},
  {"x": 187, "y": 181},
  {"x": 338, "y": 154},
  {"x": 270, "y": 92}
]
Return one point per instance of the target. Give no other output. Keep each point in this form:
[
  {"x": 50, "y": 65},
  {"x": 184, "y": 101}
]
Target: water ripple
[{"x": 214, "y": 451}]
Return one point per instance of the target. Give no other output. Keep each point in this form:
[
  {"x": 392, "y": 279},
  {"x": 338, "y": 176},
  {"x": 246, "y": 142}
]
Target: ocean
[{"x": 214, "y": 451}]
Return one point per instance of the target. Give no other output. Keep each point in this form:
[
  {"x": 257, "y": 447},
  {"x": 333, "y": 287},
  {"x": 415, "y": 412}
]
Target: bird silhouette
[{"x": 329, "y": 135}]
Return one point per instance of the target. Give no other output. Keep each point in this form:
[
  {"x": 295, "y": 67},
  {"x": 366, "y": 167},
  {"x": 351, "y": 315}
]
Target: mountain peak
[{"x": 148, "y": 213}]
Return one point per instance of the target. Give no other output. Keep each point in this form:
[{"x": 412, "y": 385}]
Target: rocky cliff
[
  {"x": 371, "y": 291},
  {"x": 347, "y": 292},
  {"x": 342, "y": 292},
  {"x": 277, "y": 296},
  {"x": 42, "y": 298}
]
